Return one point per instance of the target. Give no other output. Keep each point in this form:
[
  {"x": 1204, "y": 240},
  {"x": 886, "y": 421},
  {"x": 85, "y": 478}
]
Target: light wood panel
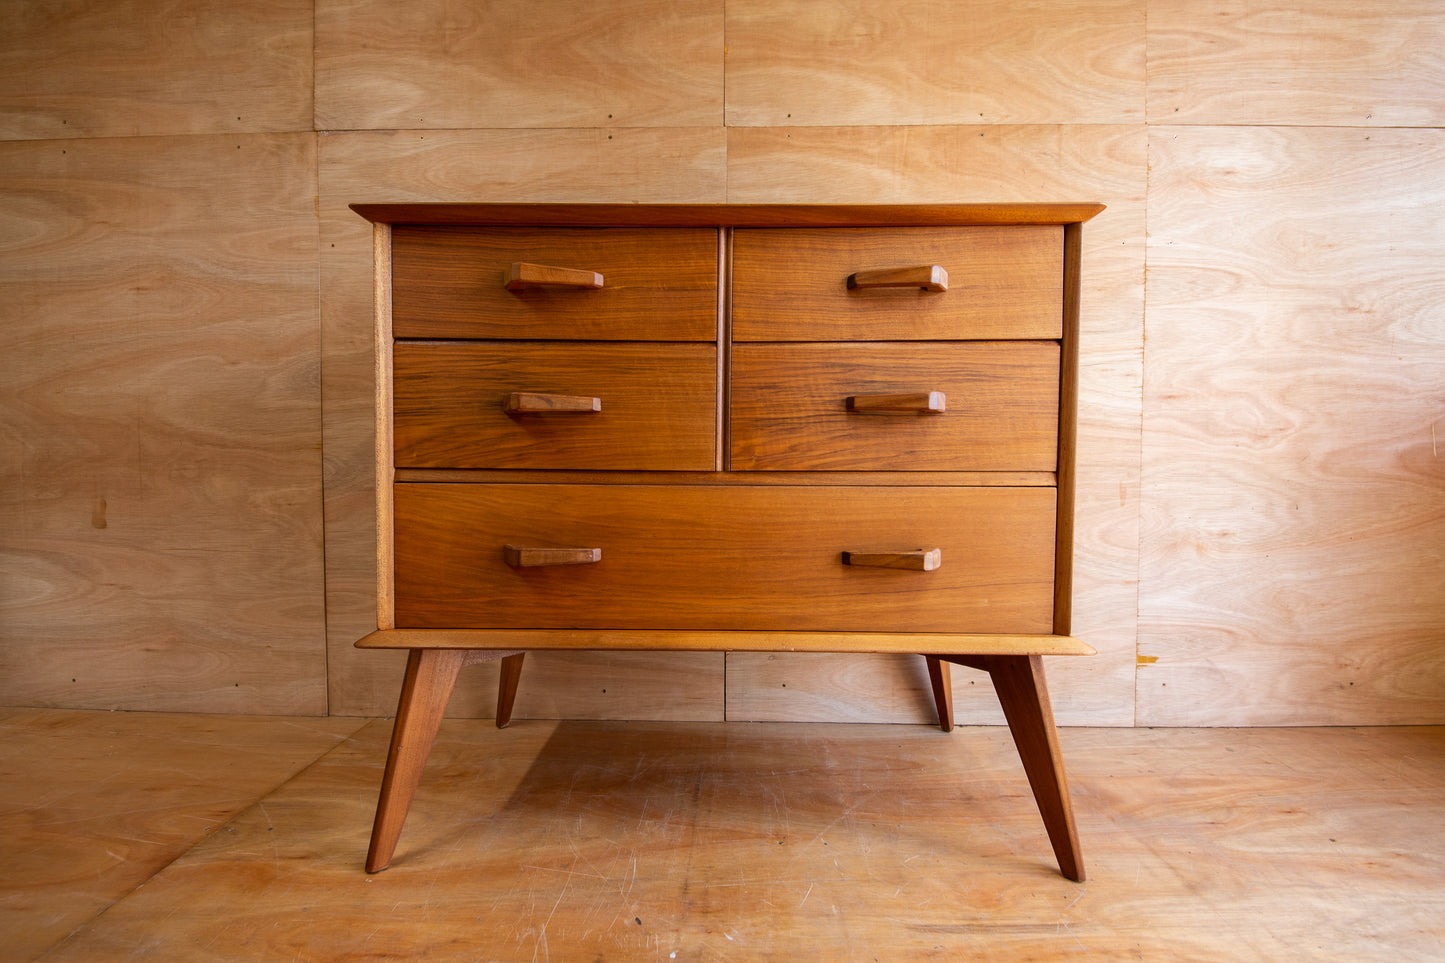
[
  {"x": 517, "y": 63},
  {"x": 159, "y": 513},
  {"x": 674, "y": 686},
  {"x": 1035, "y": 163},
  {"x": 619, "y": 165},
  {"x": 1301, "y": 63},
  {"x": 841, "y": 62},
  {"x": 125, "y": 68},
  {"x": 1293, "y": 518},
  {"x": 601, "y": 841},
  {"x": 91, "y": 805},
  {"x": 873, "y": 687}
]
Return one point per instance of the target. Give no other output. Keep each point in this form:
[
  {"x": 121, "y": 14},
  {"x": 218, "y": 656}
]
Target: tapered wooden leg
[
  {"x": 940, "y": 678},
  {"x": 511, "y": 674},
  {"x": 430, "y": 676},
  {"x": 1019, "y": 681}
]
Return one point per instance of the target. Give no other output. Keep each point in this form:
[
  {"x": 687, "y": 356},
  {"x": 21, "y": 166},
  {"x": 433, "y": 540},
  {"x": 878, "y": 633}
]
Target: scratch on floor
[{"x": 806, "y": 895}]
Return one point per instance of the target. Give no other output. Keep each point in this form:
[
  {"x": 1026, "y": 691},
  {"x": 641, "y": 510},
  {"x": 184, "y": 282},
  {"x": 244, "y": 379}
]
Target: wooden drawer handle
[
  {"x": 923, "y": 560},
  {"x": 532, "y": 403},
  {"x": 929, "y": 277},
  {"x": 931, "y": 401},
  {"x": 521, "y": 556},
  {"x": 523, "y": 275}
]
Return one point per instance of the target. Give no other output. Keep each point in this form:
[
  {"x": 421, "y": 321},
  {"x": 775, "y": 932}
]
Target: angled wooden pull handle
[
  {"x": 923, "y": 560},
  {"x": 523, "y": 556},
  {"x": 534, "y": 403},
  {"x": 929, "y": 277},
  {"x": 523, "y": 275},
  {"x": 930, "y": 401}
]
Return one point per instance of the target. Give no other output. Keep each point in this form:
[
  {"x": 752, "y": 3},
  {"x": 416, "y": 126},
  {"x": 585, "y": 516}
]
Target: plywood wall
[{"x": 185, "y": 487}]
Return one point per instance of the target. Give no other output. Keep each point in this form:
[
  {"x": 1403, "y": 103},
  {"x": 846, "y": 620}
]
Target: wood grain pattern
[
  {"x": 926, "y": 277},
  {"x": 127, "y": 68},
  {"x": 1024, "y": 694},
  {"x": 813, "y": 841},
  {"x": 384, "y": 451},
  {"x": 1068, "y": 474},
  {"x": 656, "y": 405},
  {"x": 671, "y": 686},
  {"x": 159, "y": 513},
  {"x": 430, "y": 675},
  {"x": 841, "y": 62},
  {"x": 975, "y": 479},
  {"x": 853, "y": 687},
  {"x": 1293, "y": 515},
  {"x": 724, "y": 558},
  {"x": 523, "y": 276},
  {"x": 1016, "y": 163},
  {"x": 788, "y": 409},
  {"x": 91, "y": 805},
  {"x": 1372, "y": 64},
  {"x": 791, "y": 285},
  {"x": 490, "y": 641},
  {"x": 510, "y": 677},
  {"x": 524, "y": 556},
  {"x": 535, "y": 403},
  {"x": 449, "y": 283},
  {"x": 918, "y": 560},
  {"x": 804, "y": 215},
  {"x": 619, "y": 165},
  {"x": 1018, "y": 680},
  {"x": 435, "y": 64}
]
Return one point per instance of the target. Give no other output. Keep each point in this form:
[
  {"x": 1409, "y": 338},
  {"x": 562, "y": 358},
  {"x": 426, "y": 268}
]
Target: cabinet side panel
[
  {"x": 1068, "y": 427},
  {"x": 385, "y": 580}
]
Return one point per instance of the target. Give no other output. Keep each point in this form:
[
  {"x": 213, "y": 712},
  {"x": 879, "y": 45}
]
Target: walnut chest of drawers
[{"x": 760, "y": 428}]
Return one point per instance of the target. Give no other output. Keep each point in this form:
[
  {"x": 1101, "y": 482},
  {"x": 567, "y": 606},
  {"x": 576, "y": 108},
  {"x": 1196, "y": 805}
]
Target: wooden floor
[{"x": 173, "y": 837}]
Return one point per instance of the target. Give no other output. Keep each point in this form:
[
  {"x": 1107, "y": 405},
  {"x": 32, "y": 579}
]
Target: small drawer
[
  {"x": 611, "y": 284},
  {"x": 873, "y": 407},
  {"x": 649, "y": 406},
  {"x": 724, "y": 557},
  {"x": 1001, "y": 283}
]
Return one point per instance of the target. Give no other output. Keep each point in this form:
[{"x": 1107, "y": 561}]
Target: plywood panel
[
  {"x": 93, "y": 804},
  {"x": 829, "y": 687},
  {"x": 516, "y": 63},
  {"x": 160, "y": 517},
  {"x": 1294, "y": 524},
  {"x": 1305, "y": 62},
  {"x": 681, "y": 686},
  {"x": 844, "y": 62},
  {"x": 586, "y": 841},
  {"x": 1034, "y": 163},
  {"x": 657, "y": 166},
  {"x": 134, "y": 67}
]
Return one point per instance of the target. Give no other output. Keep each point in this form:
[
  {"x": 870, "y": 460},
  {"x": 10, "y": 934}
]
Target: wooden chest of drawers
[{"x": 732, "y": 428}]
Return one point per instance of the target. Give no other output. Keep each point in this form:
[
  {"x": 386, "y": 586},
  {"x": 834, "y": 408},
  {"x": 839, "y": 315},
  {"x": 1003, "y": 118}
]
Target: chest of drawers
[{"x": 737, "y": 428}]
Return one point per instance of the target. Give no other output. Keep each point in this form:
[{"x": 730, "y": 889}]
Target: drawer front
[
  {"x": 723, "y": 557},
  {"x": 789, "y": 406},
  {"x": 1002, "y": 282},
  {"x": 657, "y": 405},
  {"x": 657, "y": 284}
]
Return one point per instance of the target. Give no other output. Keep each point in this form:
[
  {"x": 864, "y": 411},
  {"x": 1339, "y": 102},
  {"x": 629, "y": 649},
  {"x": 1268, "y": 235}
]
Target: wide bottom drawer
[{"x": 722, "y": 557}]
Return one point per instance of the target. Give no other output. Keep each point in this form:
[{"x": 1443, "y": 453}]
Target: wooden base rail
[{"x": 1014, "y": 664}]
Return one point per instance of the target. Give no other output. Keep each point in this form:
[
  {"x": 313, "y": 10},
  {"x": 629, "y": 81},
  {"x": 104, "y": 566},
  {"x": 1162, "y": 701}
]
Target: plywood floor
[{"x": 167, "y": 837}]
